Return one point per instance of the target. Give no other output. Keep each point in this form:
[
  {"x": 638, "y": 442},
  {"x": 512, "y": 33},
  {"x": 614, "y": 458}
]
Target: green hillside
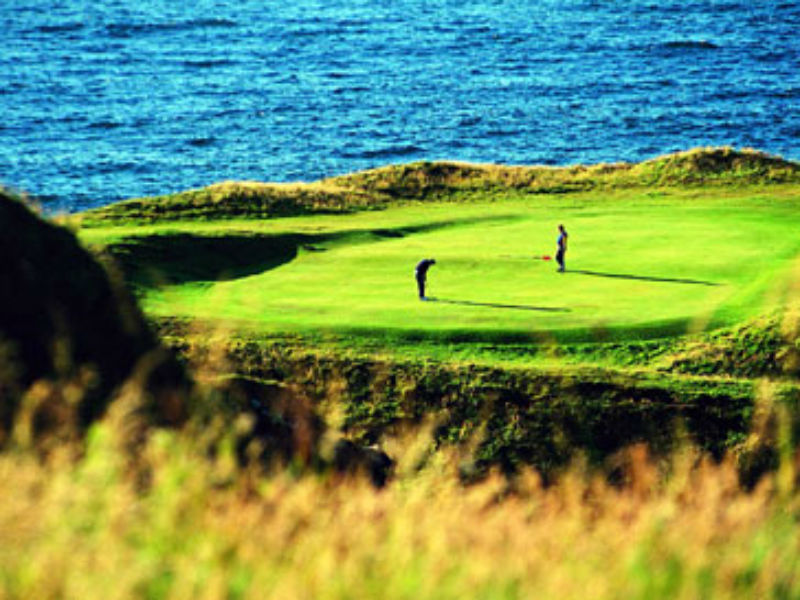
[{"x": 682, "y": 272}]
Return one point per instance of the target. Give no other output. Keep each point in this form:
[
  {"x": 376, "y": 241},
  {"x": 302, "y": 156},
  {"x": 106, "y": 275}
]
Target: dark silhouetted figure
[
  {"x": 421, "y": 273},
  {"x": 561, "y": 249}
]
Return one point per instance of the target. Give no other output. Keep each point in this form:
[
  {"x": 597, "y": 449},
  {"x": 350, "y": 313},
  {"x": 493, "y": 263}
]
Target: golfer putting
[
  {"x": 421, "y": 274},
  {"x": 561, "y": 248}
]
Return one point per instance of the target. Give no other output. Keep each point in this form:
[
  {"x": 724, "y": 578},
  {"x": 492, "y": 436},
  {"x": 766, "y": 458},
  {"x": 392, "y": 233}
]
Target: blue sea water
[{"x": 102, "y": 100}]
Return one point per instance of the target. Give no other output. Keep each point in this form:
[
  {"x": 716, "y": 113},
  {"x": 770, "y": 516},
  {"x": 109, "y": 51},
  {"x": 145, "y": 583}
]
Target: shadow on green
[
  {"x": 175, "y": 258},
  {"x": 643, "y": 277},
  {"x": 499, "y": 305}
]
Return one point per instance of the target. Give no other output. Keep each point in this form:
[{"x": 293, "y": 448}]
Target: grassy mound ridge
[
  {"x": 767, "y": 347},
  {"x": 62, "y": 319},
  {"x": 232, "y": 199},
  {"x": 699, "y": 166},
  {"x": 435, "y": 180}
]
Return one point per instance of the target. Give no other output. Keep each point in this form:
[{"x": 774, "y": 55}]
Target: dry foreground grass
[{"x": 175, "y": 525}]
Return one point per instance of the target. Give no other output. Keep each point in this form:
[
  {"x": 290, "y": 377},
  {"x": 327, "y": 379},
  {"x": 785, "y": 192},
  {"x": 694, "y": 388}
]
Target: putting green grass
[{"x": 641, "y": 264}]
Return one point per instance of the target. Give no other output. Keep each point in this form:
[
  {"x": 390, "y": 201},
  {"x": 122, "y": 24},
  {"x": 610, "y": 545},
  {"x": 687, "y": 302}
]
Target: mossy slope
[{"x": 510, "y": 417}]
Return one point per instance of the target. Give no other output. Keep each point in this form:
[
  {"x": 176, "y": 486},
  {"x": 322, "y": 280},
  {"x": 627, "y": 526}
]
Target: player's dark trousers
[
  {"x": 421, "y": 286},
  {"x": 560, "y": 260}
]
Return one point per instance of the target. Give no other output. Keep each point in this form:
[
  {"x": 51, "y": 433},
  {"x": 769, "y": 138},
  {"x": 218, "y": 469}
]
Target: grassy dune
[{"x": 435, "y": 181}]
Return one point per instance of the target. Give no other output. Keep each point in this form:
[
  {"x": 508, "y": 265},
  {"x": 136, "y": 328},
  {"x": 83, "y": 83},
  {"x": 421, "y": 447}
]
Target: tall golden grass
[{"x": 169, "y": 522}]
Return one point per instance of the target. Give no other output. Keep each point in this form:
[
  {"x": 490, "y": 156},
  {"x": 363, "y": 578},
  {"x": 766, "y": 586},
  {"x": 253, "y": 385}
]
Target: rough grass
[
  {"x": 509, "y": 417},
  {"x": 235, "y": 199},
  {"x": 384, "y": 186},
  {"x": 698, "y": 166},
  {"x": 198, "y": 527}
]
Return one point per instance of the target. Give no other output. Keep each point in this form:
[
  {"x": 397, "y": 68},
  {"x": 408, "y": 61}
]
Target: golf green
[{"x": 639, "y": 265}]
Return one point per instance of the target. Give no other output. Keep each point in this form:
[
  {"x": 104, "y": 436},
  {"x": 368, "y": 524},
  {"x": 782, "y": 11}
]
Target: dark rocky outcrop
[{"x": 64, "y": 319}]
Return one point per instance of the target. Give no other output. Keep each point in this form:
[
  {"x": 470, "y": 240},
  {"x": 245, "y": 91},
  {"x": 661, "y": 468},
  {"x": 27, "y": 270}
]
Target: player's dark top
[{"x": 423, "y": 266}]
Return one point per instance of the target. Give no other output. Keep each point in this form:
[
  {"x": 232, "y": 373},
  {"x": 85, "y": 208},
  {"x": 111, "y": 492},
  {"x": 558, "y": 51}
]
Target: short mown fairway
[{"x": 639, "y": 265}]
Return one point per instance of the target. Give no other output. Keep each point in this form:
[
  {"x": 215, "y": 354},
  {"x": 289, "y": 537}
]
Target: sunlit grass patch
[{"x": 636, "y": 268}]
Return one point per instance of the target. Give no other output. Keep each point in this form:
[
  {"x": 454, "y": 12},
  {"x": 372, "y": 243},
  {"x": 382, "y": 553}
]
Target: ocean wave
[
  {"x": 690, "y": 45},
  {"x": 107, "y": 167},
  {"x": 776, "y": 55},
  {"x": 793, "y": 92},
  {"x": 305, "y": 31},
  {"x": 104, "y": 125},
  {"x": 125, "y": 30},
  {"x": 493, "y": 133},
  {"x": 373, "y": 84},
  {"x": 337, "y": 91},
  {"x": 469, "y": 121},
  {"x": 11, "y": 88},
  {"x": 209, "y": 63},
  {"x": 386, "y": 152},
  {"x": 202, "y": 142},
  {"x": 59, "y": 28},
  {"x": 390, "y": 151},
  {"x": 213, "y": 23}
]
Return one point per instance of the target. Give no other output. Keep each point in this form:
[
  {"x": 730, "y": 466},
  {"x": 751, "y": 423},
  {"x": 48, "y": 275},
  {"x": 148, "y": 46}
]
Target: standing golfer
[
  {"x": 421, "y": 273},
  {"x": 561, "y": 249}
]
